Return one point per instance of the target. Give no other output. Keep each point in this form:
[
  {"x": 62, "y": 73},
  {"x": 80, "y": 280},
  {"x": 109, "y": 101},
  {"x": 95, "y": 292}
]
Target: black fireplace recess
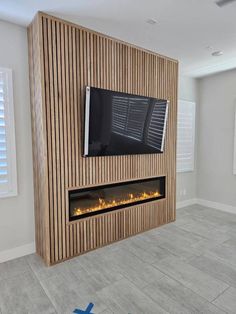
[{"x": 104, "y": 198}]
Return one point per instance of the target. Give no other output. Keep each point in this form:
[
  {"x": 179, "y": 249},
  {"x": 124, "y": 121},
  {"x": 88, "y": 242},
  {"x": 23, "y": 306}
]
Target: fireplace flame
[{"x": 103, "y": 204}]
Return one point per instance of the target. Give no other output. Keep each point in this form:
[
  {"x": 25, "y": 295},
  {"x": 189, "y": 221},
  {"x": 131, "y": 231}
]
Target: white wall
[
  {"x": 17, "y": 213},
  {"x": 215, "y": 178},
  {"x": 186, "y": 181}
]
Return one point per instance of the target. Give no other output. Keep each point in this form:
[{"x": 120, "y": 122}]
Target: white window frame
[
  {"x": 181, "y": 167},
  {"x": 234, "y": 157},
  {"x": 10, "y": 189}
]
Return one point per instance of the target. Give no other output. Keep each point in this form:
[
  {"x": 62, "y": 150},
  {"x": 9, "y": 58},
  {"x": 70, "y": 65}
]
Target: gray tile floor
[{"x": 185, "y": 267}]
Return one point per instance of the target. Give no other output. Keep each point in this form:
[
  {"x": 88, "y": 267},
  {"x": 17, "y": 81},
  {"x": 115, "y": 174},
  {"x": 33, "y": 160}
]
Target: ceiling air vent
[{"x": 222, "y": 3}]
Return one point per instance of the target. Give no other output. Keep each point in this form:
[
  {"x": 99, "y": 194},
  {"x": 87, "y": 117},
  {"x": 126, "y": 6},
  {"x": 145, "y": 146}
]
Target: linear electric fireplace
[{"x": 100, "y": 199}]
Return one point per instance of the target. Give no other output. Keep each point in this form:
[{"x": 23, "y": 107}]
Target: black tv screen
[{"x": 123, "y": 124}]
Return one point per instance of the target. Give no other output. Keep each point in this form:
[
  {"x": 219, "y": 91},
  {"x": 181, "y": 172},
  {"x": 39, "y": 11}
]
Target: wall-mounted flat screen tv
[{"x": 123, "y": 124}]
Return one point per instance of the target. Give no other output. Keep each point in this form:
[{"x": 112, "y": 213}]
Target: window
[
  {"x": 186, "y": 136},
  {"x": 8, "y": 179}
]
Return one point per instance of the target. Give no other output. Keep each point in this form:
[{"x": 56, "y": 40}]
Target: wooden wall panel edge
[
  {"x": 41, "y": 223},
  {"x": 45, "y": 161}
]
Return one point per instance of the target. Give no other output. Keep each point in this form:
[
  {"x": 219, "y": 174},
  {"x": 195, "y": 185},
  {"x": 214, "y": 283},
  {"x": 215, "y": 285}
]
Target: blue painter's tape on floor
[{"x": 87, "y": 311}]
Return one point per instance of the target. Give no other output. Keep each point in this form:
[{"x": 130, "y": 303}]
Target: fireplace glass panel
[{"x": 100, "y": 199}]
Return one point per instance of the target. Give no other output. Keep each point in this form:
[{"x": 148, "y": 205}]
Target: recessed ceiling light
[
  {"x": 151, "y": 21},
  {"x": 217, "y": 53}
]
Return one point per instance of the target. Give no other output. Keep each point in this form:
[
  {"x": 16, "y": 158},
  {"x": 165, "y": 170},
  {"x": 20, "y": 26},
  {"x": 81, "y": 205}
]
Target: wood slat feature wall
[{"x": 64, "y": 58}]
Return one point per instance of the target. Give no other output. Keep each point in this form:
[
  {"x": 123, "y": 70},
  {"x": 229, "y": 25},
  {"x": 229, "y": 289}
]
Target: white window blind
[
  {"x": 129, "y": 118},
  {"x": 186, "y": 136},
  {"x": 8, "y": 178},
  {"x": 157, "y": 125}
]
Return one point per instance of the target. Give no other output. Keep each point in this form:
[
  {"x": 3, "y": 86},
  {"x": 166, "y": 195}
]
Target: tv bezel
[{"x": 87, "y": 117}]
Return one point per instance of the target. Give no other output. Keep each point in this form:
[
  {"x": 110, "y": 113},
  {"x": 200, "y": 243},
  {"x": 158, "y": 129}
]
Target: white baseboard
[
  {"x": 17, "y": 252},
  {"x": 186, "y": 203},
  {"x": 218, "y": 206},
  {"x": 215, "y": 205}
]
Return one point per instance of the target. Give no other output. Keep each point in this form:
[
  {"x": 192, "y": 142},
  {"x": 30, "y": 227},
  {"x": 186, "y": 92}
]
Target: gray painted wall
[
  {"x": 215, "y": 179},
  {"x": 17, "y": 213},
  {"x": 186, "y": 181}
]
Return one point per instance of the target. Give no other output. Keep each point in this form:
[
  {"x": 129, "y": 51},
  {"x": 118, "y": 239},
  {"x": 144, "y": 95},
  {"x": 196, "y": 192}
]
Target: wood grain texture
[
  {"x": 40, "y": 154},
  {"x": 64, "y": 58}
]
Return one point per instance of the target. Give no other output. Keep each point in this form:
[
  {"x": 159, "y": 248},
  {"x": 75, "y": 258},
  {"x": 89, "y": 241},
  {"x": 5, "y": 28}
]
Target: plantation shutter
[
  {"x": 129, "y": 115},
  {"x": 157, "y": 125},
  {"x": 8, "y": 184},
  {"x": 119, "y": 114},
  {"x": 185, "y": 136}
]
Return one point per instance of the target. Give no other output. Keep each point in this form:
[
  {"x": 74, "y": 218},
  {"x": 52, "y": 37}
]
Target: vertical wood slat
[
  {"x": 64, "y": 58},
  {"x": 37, "y": 69}
]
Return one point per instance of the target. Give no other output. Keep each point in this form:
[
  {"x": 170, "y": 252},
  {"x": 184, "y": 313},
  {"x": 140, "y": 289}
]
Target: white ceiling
[{"x": 184, "y": 29}]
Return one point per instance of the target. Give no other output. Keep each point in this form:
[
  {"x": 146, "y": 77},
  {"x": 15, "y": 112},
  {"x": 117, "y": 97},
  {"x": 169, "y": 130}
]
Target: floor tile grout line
[
  {"x": 97, "y": 292},
  {"x": 203, "y": 237},
  {"x": 35, "y": 274},
  {"x": 220, "y": 261},
  {"x": 189, "y": 232},
  {"x": 110, "y": 284},
  {"x": 204, "y": 299},
  {"x": 52, "y": 302},
  {"x": 219, "y": 308},
  {"x": 74, "y": 274},
  {"x": 171, "y": 277},
  {"x": 221, "y": 293},
  {"x": 211, "y": 253},
  {"x": 175, "y": 255},
  {"x": 143, "y": 287},
  {"x": 155, "y": 257},
  {"x": 199, "y": 219},
  {"x": 155, "y": 300},
  {"x": 141, "y": 291}
]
